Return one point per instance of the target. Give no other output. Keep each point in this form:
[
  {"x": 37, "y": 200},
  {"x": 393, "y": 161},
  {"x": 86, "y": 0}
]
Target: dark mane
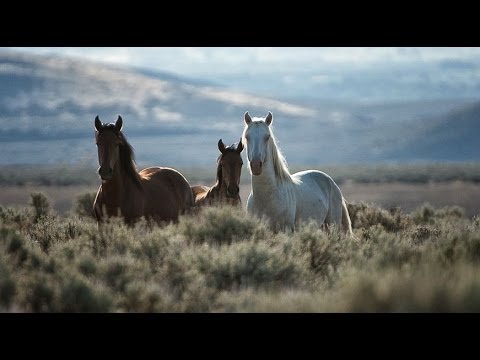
[
  {"x": 127, "y": 160},
  {"x": 228, "y": 149}
]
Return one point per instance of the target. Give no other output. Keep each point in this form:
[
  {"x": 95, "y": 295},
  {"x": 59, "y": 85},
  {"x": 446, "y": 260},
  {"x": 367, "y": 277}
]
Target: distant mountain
[
  {"x": 53, "y": 97},
  {"x": 451, "y": 136},
  {"x": 48, "y": 105}
]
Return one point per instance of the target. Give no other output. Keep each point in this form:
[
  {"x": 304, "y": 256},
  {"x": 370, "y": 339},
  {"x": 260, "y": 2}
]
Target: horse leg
[
  {"x": 338, "y": 214},
  {"x": 334, "y": 214}
]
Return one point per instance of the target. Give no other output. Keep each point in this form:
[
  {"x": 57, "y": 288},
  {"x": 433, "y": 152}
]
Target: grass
[{"x": 222, "y": 260}]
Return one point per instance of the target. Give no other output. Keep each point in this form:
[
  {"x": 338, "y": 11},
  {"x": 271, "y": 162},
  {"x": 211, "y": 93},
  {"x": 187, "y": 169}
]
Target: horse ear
[
  {"x": 269, "y": 118},
  {"x": 119, "y": 124},
  {"x": 98, "y": 124},
  {"x": 247, "y": 118},
  {"x": 240, "y": 146},
  {"x": 221, "y": 146}
]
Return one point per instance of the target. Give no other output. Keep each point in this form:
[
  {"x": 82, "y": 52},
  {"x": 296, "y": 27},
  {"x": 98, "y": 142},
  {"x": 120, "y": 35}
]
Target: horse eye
[{"x": 267, "y": 137}]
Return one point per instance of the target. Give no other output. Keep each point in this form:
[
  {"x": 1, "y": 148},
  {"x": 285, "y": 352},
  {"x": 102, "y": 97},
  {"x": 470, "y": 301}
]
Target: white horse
[{"x": 288, "y": 199}]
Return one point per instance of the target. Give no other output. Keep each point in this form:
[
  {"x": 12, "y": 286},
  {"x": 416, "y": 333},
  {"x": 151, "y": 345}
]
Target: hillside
[
  {"x": 56, "y": 97},
  {"x": 47, "y": 107},
  {"x": 451, "y": 136}
]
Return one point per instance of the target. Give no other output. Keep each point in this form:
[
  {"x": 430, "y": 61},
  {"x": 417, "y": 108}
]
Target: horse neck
[
  {"x": 219, "y": 186},
  {"x": 118, "y": 186},
  {"x": 267, "y": 179}
]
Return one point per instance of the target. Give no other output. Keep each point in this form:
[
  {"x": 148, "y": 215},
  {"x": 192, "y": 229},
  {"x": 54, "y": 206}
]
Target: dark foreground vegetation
[{"x": 222, "y": 260}]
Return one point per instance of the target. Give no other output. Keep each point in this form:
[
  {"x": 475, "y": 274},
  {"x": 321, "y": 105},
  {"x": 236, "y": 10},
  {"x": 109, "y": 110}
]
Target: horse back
[
  {"x": 313, "y": 190},
  {"x": 199, "y": 190},
  {"x": 316, "y": 180},
  {"x": 167, "y": 188},
  {"x": 204, "y": 195},
  {"x": 200, "y": 193},
  {"x": 317, "y": 193}
]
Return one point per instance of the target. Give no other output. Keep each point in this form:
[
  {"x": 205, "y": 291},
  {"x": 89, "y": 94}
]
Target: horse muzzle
[
  {"x": 232, "y": 191},
  {"x": 256, "y": 167},
  {"x": 106, "y": 173}
]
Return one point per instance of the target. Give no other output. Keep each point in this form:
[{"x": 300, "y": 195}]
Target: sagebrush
[{"x": 223, "y": 260}]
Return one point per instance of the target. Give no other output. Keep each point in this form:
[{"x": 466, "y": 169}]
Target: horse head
[
  {"x": 231, "y": 163},
  {"x": 108, "y": 139},
  {"x": 256, "y": 136}
]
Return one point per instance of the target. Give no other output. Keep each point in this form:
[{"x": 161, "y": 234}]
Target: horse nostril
[{"x": 105, "y": 173}]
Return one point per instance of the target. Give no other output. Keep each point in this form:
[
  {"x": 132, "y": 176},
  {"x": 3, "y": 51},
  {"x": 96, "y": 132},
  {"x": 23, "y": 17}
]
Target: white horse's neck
[
  {"x": 267, "y": 182},
  {"x": 273, "y": 196}
]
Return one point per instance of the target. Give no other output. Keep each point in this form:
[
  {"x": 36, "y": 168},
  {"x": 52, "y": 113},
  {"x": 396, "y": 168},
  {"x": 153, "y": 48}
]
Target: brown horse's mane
[
  {"x": 219, "y": 179},
  {"x": 127, "y": 159},
  {"x": 127, "y": 156}
]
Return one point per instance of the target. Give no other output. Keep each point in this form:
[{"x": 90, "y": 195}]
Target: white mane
[{"x": 279, "y": 162}]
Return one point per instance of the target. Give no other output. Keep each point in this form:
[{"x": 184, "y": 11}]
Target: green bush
[
  {"x": 426, "y": 214},
  {"x": 222, "y": 259},
  {"x": 247, "y": 265},
  {"x": 221, "y": 225},
  {"x": 84, "y": 204},
  {"x": 40, "y": 204},
  {"x": 365, "y": 216},
  {"x": 79, "y": 296},
  {"x": 7, "y": 286}
]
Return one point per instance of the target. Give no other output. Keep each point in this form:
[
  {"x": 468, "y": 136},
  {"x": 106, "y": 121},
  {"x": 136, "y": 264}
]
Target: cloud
[
  {"x": 14, "y": 69},
  {"x": 318, "y": 72},
  {"x": 211, "y": 61},
  {"x": 165, "y": 116}
]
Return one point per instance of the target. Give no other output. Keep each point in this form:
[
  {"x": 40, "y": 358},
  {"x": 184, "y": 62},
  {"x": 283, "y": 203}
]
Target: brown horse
[
  {"x": 226, "y": 188},
  {"x": 158, "y": 193}
]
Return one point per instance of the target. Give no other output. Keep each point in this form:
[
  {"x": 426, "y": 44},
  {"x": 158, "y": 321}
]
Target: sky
[{"x": 360, "y": 74}]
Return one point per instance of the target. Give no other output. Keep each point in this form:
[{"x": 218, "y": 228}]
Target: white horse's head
[{"x": 256, "y": 136}]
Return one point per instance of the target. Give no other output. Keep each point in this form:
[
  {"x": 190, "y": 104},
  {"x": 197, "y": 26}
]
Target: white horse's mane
[{"x": 279, "y": 162}]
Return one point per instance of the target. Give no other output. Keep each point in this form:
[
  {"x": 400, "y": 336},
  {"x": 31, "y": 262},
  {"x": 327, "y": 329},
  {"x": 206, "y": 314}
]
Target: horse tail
[
  {"x": 346, "y": 222},
  {"x": 190, "y": 201}
]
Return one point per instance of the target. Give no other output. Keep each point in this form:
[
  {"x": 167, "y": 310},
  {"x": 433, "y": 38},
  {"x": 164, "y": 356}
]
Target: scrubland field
[{"x": 407, "y": 255}]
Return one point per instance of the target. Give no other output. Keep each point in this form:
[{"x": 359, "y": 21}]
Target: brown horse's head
[
  {"x": 108, "y": 139},
  {"x": 230, "y": 162}
]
